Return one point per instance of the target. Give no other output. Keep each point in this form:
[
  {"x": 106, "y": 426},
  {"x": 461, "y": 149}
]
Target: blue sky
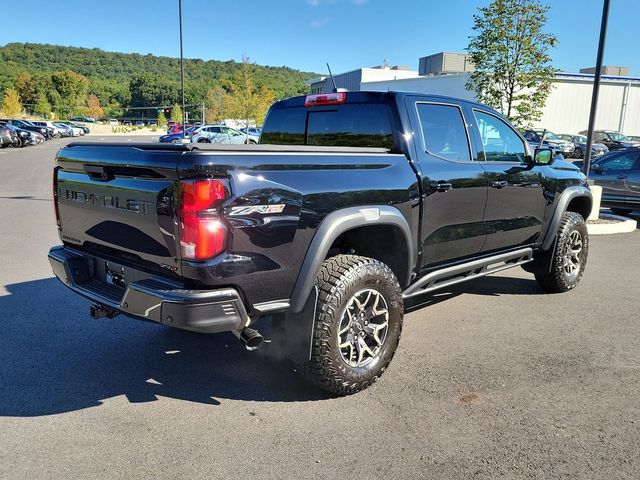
[{"x": 305, "y": 34}]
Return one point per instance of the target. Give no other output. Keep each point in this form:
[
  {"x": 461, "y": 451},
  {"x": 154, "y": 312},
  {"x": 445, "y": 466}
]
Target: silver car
[{"x": 221, "y": 134}]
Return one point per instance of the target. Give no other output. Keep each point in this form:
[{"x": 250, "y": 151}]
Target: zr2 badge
[{"x": 261, "y": 209}]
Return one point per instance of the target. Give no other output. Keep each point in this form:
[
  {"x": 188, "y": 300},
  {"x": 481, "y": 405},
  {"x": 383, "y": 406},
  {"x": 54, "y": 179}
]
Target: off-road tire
[
  {"x": 623, "y": 212},
  {"x": 340, "y": 279},
  {"x": 558, "y": 279}
]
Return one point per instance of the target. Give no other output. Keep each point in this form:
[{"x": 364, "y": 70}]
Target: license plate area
[{"x": 112, "y": 274}]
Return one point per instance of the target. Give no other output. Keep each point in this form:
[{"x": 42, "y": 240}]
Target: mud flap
[
  {"x": 541, "y": 264},
  {"x": 292, "y": 333}
]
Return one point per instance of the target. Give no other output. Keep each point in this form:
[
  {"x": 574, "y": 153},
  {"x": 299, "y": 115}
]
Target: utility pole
[
  {"x": 182, "y": 70},
  {"x": 596, "y": 87}
]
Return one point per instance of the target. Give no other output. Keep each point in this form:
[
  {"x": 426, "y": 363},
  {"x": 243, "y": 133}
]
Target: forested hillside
[{"x": 66, "y": 77}]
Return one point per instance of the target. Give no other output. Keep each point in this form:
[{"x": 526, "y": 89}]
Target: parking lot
[{"x": 493, "y": 378}]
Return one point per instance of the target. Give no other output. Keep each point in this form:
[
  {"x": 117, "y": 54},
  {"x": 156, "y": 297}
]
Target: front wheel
[
  {"x": 577, "y": 152},
  {"x": 569, "y": 255},
  {"x": 357, "y": 327}
]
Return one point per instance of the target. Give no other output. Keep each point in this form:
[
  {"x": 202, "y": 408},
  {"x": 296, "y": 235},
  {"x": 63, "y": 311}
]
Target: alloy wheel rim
[
  {"x": 363, "y": 327},
  {"x": 572, "y": 259}
]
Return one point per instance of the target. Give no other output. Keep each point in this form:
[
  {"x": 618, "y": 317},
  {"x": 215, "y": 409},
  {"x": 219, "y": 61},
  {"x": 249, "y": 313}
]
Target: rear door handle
[
  {"x": 441, "y": 187},
  {"x": 621, "y": 177},
  {"x": 499, "y": 184}
]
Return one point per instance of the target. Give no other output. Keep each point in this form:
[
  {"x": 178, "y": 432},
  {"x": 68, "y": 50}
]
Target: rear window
[{"x": 351, "y": 125}]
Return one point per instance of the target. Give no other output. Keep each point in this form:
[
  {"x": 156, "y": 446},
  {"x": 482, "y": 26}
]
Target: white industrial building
[{"x": 566, "y": 109}]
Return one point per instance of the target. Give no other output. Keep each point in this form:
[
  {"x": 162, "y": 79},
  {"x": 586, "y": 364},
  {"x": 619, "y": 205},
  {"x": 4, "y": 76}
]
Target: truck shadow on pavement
[{"x": 54, "y": 358}]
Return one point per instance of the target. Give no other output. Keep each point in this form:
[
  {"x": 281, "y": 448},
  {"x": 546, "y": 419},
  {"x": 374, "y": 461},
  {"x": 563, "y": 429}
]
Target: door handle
[
  {"x": 499, "y": 184},
  {"x": 621, "y": 177},
  {"x": 441, "y": 187}
]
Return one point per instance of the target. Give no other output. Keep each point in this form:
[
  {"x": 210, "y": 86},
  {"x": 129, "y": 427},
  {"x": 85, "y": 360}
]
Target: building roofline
[{"x": 590, "y": 76}]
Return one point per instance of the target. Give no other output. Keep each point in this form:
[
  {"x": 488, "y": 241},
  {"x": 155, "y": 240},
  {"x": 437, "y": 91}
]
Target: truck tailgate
[{"x": 120, "y": 199}]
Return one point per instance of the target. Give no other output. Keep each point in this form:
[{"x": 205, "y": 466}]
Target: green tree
[
  {"x": 510, "y": 52},
  {"x": 72, "y": 88},
  {"x": 176, "y": 113},
  {"x": 43, "y": 107},
  {"x": 216, "y": 103},
  {"x": 11, "y": 105},
  {"x": 161, "y": 119},
  {"x": 26, "y": 86},
  {"x": 246, "y": 100}
]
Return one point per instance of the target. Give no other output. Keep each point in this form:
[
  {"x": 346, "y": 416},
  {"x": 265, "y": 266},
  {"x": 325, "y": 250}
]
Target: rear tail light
[
  {"x": 203, "y": 235},
  {"x": 325, "y": 99}
]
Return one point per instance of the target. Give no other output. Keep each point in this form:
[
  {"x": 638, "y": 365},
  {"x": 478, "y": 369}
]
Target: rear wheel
[
  {"x": 204, "y": 140},
  {"x": 620, "y": 211},
  {"x": 577, "y": 153},
  {"x": 569, "y": 255},
  {"x": 357, "y": 327}
]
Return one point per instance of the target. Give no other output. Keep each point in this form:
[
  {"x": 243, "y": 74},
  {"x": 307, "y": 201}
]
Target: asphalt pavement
[{"x": 491, "y": 379}]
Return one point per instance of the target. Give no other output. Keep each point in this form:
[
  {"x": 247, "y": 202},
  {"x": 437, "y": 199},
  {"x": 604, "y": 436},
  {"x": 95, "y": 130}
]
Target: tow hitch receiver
[{"x": 98, "y": 311}]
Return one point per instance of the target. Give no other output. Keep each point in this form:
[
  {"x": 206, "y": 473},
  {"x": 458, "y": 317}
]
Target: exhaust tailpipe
[{"x": 250, "y": 337}]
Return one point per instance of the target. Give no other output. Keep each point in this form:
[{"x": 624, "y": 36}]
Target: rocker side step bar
[{"x": 468, "y": 271}]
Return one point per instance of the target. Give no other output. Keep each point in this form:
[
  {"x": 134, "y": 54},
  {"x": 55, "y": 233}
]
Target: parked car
[
  {"x": 56, "y": 133},
  {"x": 25, "y": 137},
  {"x": 634, "y": 138},
  {"x": 152, "y": 123},
  {"x": 84, "y": 129},
  {"x": 221, "y": 134},
  {"x": 613, "y": 140},
  {"x": 580, "y": 142},
  {"x": 113, "y": 122},
  {"x": 177, "y": 127},
  {"x": 9, "y": 136},
  {"x": 126, "y": 123},
  {"x": 618, "y": 173},
  {"x": 329, "y": 241},
  {"x": 68, "y": 130},
  {"x": 253, "y": 131},
  {"x": 176, "y": 137},
  {"x": 38, "y": 138},
  {"x": 26, "y": 125},
  {"x": 139, "y": 123},
  {"x": 83, "y": 119},
  {"x": 551, "y": 139}
]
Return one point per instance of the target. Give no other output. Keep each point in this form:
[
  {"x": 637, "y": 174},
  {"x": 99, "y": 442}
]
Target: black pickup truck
[{"x": 354, "y": 207}]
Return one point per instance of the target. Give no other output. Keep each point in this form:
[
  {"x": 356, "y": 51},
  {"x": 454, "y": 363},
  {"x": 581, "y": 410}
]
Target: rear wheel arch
[{"x": 352, "y": 225}]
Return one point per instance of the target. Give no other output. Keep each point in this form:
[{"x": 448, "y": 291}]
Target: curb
[{"x": 623, "y": 225}]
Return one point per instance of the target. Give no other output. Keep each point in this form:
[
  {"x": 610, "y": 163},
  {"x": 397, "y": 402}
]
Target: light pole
[
  {"x": 596, "y": 87},
  {"x": 182, "y": 70}
]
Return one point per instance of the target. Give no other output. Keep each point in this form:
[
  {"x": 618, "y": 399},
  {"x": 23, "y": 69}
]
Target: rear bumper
[{"x": 150, "y": 298}]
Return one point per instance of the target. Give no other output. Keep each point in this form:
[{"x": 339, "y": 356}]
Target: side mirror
[{"x": 543, "y": 156}]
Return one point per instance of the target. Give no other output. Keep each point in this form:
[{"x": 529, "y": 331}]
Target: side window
[
  {"x": 500, "y": 142},
  {"x": 599, "y": 137},
  {"x": 624, "y": 161},
  {"x": 443, "y": 131}
]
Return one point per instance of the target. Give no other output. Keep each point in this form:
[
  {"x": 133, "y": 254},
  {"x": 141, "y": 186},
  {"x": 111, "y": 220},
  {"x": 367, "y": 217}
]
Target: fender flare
[
  {"x": 566, "y": 196},
  {"x": 335, "y": 224}
]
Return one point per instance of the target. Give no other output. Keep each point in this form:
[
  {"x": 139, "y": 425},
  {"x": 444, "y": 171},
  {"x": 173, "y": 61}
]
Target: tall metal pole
[
  {"x": 182, "y": 70},
  {"x": 596, "y": 87}
]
